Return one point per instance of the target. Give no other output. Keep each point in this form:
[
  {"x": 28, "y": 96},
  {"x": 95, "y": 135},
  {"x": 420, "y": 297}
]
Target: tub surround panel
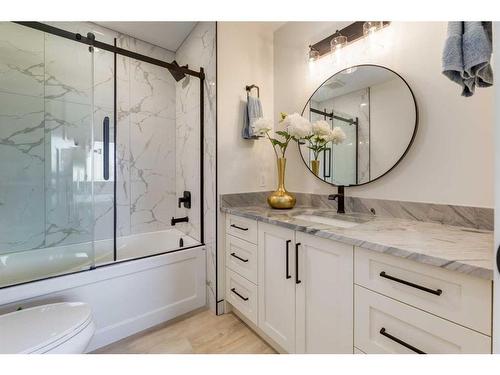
[
  {"x": 454, "y": 248},
  {"x": 470, "y": 217}
]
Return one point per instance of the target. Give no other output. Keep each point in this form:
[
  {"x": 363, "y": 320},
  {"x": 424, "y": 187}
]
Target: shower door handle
[{"x": 105, "y": 142}]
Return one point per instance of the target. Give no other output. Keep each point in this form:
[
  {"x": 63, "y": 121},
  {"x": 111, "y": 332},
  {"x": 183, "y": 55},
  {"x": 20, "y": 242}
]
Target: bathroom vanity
[{"x": 309, "y": 281}]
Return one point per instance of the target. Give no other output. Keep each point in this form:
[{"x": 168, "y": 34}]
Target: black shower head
[{"x": 177, "y": 74}]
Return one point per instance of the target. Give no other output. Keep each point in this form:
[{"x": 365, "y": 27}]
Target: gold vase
[
  {"x": 315, "y": 167},
  {"x": 281, "y": 199}
]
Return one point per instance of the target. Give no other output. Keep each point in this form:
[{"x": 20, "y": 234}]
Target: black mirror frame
[{"x": 409, "y": 143}]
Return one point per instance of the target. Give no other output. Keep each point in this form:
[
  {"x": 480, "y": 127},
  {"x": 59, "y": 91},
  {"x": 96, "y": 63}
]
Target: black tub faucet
[
  {"x": 176, "y": 220},
  {"x": 339, "y": 197}
]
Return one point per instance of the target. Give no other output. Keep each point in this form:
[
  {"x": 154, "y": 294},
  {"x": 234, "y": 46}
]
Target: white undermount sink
[{"x": 327, "y": 221}]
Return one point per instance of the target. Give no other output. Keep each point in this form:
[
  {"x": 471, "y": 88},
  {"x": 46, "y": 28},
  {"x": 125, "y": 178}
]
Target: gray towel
[
  {"x": 467, "y": 54},
  {"x": 253, "y": 111}
]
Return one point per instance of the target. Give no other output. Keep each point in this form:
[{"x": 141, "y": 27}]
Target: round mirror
[{"x": 372, "y": 118}]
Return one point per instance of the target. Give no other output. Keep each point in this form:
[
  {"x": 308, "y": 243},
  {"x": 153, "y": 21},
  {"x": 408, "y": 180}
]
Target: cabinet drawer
[
  {"x": 241, "y": 227},
  {"x": 241, "y": 257},
  {"x": 383, "y": 325},
  {"x": 460, "y": 298},
  {"x": 242, "y": 294}
]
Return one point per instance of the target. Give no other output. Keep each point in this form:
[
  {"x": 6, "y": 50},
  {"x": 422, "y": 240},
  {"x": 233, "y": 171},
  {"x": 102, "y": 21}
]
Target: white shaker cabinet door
[
  {"x": 277, "y": 284},
  {"x": 324, "y": 306}
]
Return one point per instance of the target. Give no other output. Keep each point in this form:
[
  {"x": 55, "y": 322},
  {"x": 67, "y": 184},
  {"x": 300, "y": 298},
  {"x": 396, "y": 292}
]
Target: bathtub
[
  {"x": 31, "y": 265},
  {"x": 126, "y": 296}
]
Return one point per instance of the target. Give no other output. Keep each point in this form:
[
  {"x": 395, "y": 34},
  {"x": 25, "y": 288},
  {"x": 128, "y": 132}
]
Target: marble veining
[
  {"x": 464, "y": 216},
  {"x": 450, "y": 247},
  {"x": 198, "y": 50},
  {"x": 53, "y": 192},
  {"x": 46, "y": 121}
]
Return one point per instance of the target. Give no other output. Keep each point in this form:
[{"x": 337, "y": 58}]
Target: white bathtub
[
  {"x": 30, "y": 265},
  {"x": 127, "y": 296}
]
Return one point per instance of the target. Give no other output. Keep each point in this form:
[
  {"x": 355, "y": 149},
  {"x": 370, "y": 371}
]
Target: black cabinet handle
[
  {"x": 240, "y": 228},
  {"x": 436, "y": 292},
  {"x": 400, "y": 342},
  {"x": 237, "y": 257},
  {"x": 288, "y": 276},
  {"x": 239, "y": 295},
  {"x": 498, "y": 259},
  {"x": 297, "y": 281},
  {"x": 105, "y": 152}
]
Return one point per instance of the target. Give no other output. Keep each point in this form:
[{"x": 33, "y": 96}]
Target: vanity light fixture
[
  {"x": 370, "y": 27},
  {"x": 346, "y": 36},
  {"x": 313, "y": 54},
  {"x": 337, "y": 42}
]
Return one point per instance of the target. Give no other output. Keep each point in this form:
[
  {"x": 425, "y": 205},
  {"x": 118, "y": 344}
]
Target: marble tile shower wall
[
  {"x": 45, "y": 114},
  {"x": 45, "y": 91},
  {"x": 146, "y": 141},
  {"x": 198, "y": 50}
]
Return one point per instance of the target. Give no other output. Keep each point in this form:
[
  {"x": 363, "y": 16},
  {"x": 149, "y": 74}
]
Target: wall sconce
[{"x": 344, "y": 37}]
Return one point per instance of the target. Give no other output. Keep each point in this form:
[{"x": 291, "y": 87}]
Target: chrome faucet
[{"x": 339, "y": 197}]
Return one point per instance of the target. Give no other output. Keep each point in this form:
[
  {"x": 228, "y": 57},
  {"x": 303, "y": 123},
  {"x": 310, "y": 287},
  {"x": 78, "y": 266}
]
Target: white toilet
[{"x": 59, "y": 328}]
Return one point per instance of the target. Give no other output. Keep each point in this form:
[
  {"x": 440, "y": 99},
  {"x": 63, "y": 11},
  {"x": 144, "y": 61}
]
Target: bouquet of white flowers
[
  {"x": 295, "y": 126},
  {"x": 321, "y": 135}
]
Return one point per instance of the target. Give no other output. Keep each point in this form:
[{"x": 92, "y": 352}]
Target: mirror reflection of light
[{"x": 349, "y": 70}]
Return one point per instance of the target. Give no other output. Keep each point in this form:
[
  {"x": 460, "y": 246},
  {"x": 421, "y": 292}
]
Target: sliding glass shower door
[
  {"x": 103, "y": 157},
  {"x": 56, "y": 155}
]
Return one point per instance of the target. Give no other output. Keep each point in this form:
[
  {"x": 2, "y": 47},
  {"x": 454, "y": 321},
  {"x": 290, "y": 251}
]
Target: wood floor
[{"x": 203, "y": 332}]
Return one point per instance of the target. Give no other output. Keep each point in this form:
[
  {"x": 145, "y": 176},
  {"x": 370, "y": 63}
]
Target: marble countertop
[{"x": 454, "y": 248}]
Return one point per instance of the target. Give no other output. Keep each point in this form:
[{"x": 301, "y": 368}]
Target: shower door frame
[{"x": 91, "y": 42}]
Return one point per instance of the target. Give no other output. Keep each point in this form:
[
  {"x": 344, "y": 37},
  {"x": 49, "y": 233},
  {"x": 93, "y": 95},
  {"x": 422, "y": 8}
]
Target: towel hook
[{"x": 249, "y": 88}]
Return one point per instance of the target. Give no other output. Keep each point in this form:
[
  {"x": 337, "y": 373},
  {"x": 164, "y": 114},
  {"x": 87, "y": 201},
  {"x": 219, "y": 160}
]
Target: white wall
[
  {"x": 451, "y": 160},
  {"x": 245, "y": 57},
  {"x": 392, "y": 120}
]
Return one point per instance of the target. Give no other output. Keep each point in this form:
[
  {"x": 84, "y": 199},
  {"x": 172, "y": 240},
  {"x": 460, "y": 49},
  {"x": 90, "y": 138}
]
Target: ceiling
[
  {"x": 344, "y": 82},
  {"x": 169, "y": 35}
]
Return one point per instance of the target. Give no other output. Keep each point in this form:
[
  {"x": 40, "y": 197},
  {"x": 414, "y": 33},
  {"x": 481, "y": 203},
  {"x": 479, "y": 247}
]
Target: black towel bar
[{"x": 249, "y": 88}]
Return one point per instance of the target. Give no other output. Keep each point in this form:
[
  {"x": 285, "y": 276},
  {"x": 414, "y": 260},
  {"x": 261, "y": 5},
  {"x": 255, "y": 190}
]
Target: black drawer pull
[
  {"x": 436, "y": 292},
  {"x": 288, "y": 276},
  {"x": 239, "y": 295},
  {"x": 297, "y": 281},
  {"x": 237, "y": 257},
  {"x": 240, "y": 228},
  {"x": 400, "y": 342}
]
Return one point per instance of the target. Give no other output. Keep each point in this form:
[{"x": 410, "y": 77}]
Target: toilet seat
[{"x": 43, "y": 328}]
